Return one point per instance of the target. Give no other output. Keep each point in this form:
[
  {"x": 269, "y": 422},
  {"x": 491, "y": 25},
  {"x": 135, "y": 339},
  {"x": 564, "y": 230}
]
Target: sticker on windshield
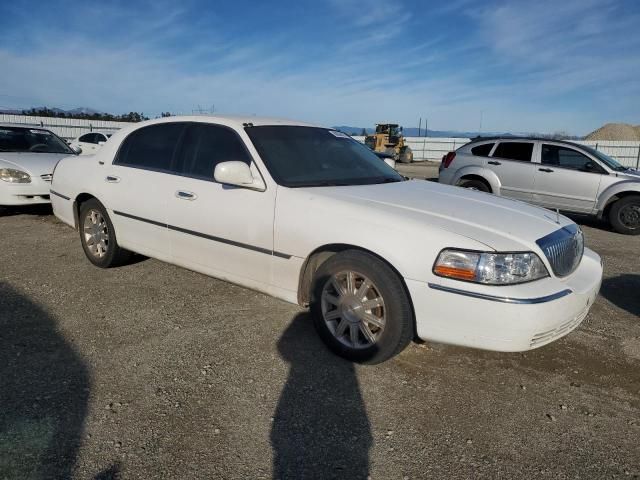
[
  {"x": 335, "y": 133},
  {"x": 40, "y": 132}
]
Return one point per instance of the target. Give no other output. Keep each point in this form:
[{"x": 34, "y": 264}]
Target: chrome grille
[
  {"x": 47, "y": 177},
  {"x": 563, "y": 248}
]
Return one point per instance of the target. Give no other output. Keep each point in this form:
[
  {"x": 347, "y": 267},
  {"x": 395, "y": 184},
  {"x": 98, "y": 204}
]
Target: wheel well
[
  {"x": 321, "y": 255},
  {"x": 478, "y": 178},
  {"x": 77, "y": 203},
  {"x": 615, "y": 198}
]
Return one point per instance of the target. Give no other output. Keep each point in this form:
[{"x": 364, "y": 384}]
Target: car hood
[
  {"x": 32, "y": 163},
  {"x": 630, "y": 174},
  {"x": 498, "y": 223}
]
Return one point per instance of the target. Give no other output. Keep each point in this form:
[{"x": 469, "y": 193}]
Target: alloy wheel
[
  {"x": 629, "y": 216},
  {"x": 353, "y": 309},
  {"x": 96, "y": 233}
]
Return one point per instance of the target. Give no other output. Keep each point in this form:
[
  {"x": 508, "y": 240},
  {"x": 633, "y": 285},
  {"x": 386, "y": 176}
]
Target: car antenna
[{"x": 558, "y": 216}]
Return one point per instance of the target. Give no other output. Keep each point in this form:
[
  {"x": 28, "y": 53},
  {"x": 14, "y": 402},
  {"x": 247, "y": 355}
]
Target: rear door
[
  {"x": 511, "y": 162},
  {"x": 566, "y": 179},
  {"x": 137, "y": 187}
]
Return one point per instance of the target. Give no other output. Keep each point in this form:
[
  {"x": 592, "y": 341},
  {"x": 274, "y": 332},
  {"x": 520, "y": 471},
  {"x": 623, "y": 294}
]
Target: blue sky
[{"x": 541, "y": 66}]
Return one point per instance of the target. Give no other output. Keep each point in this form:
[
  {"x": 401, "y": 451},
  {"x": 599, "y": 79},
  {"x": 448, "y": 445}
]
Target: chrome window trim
[{"x": 497, "y": 298}]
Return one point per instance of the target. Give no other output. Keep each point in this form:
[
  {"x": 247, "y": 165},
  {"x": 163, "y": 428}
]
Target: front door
[
  {"x": 566, "y": 179},
  {"x": 217, "y": 229}
]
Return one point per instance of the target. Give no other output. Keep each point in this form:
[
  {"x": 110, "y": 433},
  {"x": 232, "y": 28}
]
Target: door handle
[
  {"x": 548, "y": 170},
  {"x": 182, "y": 195},
  {"x": 493, "y": 162},
  {"x": 112, "y": 179}
]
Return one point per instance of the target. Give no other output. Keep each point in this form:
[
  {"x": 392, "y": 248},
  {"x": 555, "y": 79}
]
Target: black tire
[
  {"x": 475, "y": 185},
  {"x": 624, "y": 215},
  {"x": 398, "y": 328},
  {"x": 114, "y": 255}
]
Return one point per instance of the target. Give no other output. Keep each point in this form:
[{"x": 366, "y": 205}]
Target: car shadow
[
  {"x": 623, "y": 291},
  {"x": 35, "y": 210},
  {"x": 590, "y": 221},
  {"x": 320, "y": 427},
  {"x": 44, "y": 389}
]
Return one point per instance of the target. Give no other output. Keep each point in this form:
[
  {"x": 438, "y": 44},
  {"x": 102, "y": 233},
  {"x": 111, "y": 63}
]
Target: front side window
[
  {"x": 312, "y": 157},
  {"x": 151, "y": 147},
  {"x": 520, "y": 151},
  {"x": 564, "y": 157},
  {"x": 482, "y": 150},
  {"x": 205, "y": 146},
  {"x": 86, "y": 138},
  {"x": 35, "y": 140}
]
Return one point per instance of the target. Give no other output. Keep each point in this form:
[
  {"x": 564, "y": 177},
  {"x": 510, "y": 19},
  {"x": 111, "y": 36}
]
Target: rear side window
[
  {"x": 514, "y": 151},
  {"x": 567, "y": 158},
  {"x": 205, "y": 146},
  {"x": 87, "y": 138},
  {"x": 482, "y": 150},
  {"x": 151, "y": 147}
]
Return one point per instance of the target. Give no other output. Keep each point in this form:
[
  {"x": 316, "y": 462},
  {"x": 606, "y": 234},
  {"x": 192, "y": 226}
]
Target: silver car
[{"x": 550, "y": 173}]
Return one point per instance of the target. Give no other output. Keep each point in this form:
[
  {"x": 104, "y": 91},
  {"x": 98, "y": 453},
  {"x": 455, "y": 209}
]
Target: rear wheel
[
  {"x": 98, "y": 236},
  {"x": 360, "y": 308},
  {"x": 624, "y": 215},
  {"x": 473, "y": 184}
]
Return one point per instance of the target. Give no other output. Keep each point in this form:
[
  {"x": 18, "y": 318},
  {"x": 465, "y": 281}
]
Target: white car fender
[{"x": 621, "y": 187}]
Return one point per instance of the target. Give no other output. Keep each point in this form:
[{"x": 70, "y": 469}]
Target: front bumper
[
  {"x": 36, "y": 192},
  {"x": 507, "y": 319}
]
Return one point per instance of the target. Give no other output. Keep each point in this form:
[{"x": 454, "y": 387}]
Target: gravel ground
[{"x": 152, "y": 371}]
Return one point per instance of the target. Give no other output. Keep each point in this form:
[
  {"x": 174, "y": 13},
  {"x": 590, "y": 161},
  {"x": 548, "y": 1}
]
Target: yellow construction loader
[{"x": 389, "y": 139}]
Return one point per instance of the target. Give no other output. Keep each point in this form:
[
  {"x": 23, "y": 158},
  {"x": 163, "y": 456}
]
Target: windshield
[
  {"x": 606, "y": 159},
  {"x": 310, "y": 156},
  {"x": 35, "y": 140}
]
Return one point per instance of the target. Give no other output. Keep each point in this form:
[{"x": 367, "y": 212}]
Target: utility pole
[
  {"x": 426, "y": 127},
  {"x": 480, "y": 121},
  {"x": 419, "y": 126}
]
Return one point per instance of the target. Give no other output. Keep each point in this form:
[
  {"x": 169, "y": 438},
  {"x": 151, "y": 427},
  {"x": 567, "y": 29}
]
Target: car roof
[
  {"x": 522, "y": 138},
  {"x": 237, "y": 121}
]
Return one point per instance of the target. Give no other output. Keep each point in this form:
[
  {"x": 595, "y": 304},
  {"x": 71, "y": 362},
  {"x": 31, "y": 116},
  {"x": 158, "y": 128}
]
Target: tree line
[{"x": 47, "y": 112}]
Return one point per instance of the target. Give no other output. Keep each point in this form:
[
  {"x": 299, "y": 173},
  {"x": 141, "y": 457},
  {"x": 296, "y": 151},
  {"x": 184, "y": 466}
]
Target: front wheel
[
  {"x": 624, "y": 215},
  {"x": 98, "y": 237},
  {"x": 360, "y": 308}
]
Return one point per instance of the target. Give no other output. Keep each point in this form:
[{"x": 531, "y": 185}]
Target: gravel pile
[{"x": 615, "y": 131}]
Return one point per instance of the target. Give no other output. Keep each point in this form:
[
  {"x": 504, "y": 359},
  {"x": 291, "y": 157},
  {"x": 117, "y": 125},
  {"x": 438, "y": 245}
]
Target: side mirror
[
  {"x": 391, "y": 162},
  {"x": 77, "y": 150},
  {"x": 238, "y": 174}
]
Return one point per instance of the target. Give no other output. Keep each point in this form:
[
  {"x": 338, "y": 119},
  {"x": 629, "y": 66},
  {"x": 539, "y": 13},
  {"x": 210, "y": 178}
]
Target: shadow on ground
[
  {"x": 623, "y": 291},
  {"x": 320, "y": 428},
  {"x": 36, "y": 210},
  {"x": 44, "y": 387}
]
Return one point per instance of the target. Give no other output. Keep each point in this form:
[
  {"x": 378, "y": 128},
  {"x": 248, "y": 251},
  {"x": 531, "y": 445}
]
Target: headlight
[
  {"x": 490, "y": 268},
  {"x": 12, "y": 175}
]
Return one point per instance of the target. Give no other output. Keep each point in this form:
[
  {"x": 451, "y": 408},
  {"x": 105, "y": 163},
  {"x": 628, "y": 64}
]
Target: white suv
[{"x": 550, "y": 173}]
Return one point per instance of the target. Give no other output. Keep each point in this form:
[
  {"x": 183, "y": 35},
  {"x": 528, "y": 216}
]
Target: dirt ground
[{"x": 153, "y": 371}]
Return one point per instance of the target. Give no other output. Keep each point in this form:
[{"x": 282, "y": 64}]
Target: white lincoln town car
[{"x": 311, "y": 216}]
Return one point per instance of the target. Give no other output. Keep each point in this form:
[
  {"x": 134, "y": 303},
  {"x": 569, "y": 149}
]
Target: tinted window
[
  {"x": 87, "y": 138},
  {"x": 151, "y": 147},
  {"x": 36, "y": 140},
  {"x": 514, "y": 151},
  {"x": 482, "y": 150},
  {"x": 309, "y": 156},
  {"x": 567, "y": 158},
  {"x": 204, "y": 146}
]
